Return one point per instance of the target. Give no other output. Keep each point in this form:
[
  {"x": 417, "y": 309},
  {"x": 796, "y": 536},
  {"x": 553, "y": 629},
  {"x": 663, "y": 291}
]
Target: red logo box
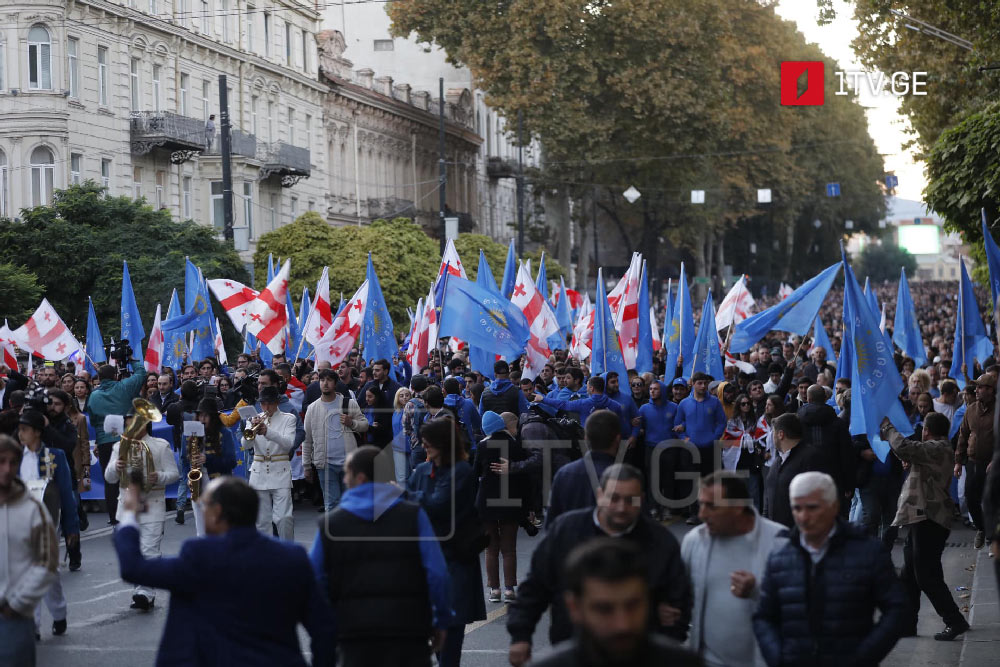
[{"x": 802, "y": 83}]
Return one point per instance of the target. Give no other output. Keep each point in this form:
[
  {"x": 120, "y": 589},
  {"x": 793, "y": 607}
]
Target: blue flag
[
  {"x": 377, "y": 337},
  {"x": 509, "y": 271},
  {"x": 563, "y": 313},
  {"x": 971, "y": 343},
  {"x": 992, "y": 260},
  {"x": 541, "y": 281},
  {"x": 707, "y": 357},
  {"x": 820, "y": 339},
  {"x": 292, "y": 334},
  {"x": 270, "y": 267},
  {"x": 95, "y": 344},
  {"x": 482, "y": 317},
  {"x": 905, "y": 328},
  {"x": 668, "y": 315},
  {"x": 481, "y": 359},
  {"x": 875, "y": 382},
  {"x": 304, "y": 307},
  {"x": 795, "y": 314},
  {"x": 196, "y": 303},
  {"x": 872, "y": 299},
  {"x": 846, "y": 359},
  {"x": 132, "y": 330},
  {"x": 644, "y": 353},
  {"x": 606, "y": 351},
  {"x": 680, "y": 333},
  {"x": 174, "y": 343}
]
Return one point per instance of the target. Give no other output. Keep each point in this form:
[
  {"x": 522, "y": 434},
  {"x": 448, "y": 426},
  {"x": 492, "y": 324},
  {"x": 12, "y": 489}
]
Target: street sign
[
  {"x": 701, "y": 280},
  {"x": 764, "y": 195},
  {"x": 891, "y": 181},
  {"x": 833, "y": 189},
  {"x": 697, "y": 196},
  {"x": 631, "y": 194}
]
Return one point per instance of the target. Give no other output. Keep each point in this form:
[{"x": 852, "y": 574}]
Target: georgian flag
[
  {"x": 220, "y": 348},
  {"x": 583, "y": 331},
  {"x": 7, "y": 346},
  {"x": 340, "y": 338},
  {"x": 450, "y": 262},
  {"x": 320, "y": 315},
  {"x": 235, "y": 298},
  {"x": 624, "y": 303},
  {"x": 154, "y": 349},
  {"x": 268, "y": 314},
  {"x": 425, "y": 335},
  {"x": 45, "y": 334},
  {"x": 411, "y": 349},
  {"x": 295, "y": 391},
  {"x": 736, "y": 307},
  {"x": 541, "y": 321},
  {"x": 784, "y": 291}
]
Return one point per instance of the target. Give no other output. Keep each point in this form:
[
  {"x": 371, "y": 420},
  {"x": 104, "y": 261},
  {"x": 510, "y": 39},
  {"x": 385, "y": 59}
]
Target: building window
[
  {"x": 134, "y": 80},
  {"x": 181, "y": 12},
  {"x": 156, "y": 87},
  {"x": 39, "y": 59},
  {"x": 251, "y": 13},
  {"x": 3, "y": 184},
  {"x": 102, "y": 75},
  {"x": 270, "y": 121},
  {"x": 288, "y": 43},
  {"x": 42, "y": 176},
  {"x": 274, "y": 211},
  {"x": 293, "y": 208},
  {"x": 248, "y": 206},
  {"x": 291, "y": 126},
  {"x": 152, "y": 7},
  {"x": 73, "y": 66},
  {"x": 308, "y": 131},
  {"x": 3, "y": 49},
  {"x": 136, "y": 182},
  {"x": 384, "y": 45},
  {"x": 185, "y": 84},
  {"x": 254, "y": 101},
  {"x": 75, "y": 167},
  {"x": 206, "y": 18},
  {"x": 106, "y": 175},
  {"x": 186, "y": 197},
  {"x": 218, "y": 210},
  {"x": 224, "y": 11},
  {"x": 161, "y": 178},
  {"x": 267, "y": 34},
  {"x": 204, "y": 99},
  {"x": 305, "y": 51},
  {"x": 312, "y": 204}
]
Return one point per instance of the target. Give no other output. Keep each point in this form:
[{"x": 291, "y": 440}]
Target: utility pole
[
  {"x": 520, "y": 183},
  {"x": 225, "y": 146},
  {"x": 442, "y": 167}
]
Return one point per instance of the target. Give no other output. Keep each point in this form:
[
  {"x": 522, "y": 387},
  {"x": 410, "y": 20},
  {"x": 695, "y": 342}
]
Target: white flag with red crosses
[
  {"x": 267, "y": 315},
  {"x": 7, "y": 345},
  {"x": 46, "y": 335},
  {"x": 154, "y": 350},
  {"x": 320, "y": 315},
  {"x": 541, "y": 320},
  {"x": 340, "y": 338},
  {"x": 235, "y": 298}
]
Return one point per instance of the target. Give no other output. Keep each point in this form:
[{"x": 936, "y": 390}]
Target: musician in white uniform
[
  {"x": 271, "y": 472},
  {"x": 151, "y": 519}
]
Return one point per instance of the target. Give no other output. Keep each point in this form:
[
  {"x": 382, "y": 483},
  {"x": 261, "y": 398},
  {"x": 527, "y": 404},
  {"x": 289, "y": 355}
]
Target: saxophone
[
  {"x": 132, "y": 450},
  {"x": 195, "y": 448}
]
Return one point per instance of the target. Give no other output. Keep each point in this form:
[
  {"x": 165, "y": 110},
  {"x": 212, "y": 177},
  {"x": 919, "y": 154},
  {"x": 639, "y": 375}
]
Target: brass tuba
[{"x": 132, "y": 450}]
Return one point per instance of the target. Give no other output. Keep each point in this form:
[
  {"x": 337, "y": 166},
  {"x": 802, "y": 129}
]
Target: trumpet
[
  {"x": 194, "y": 475},
  {"x": 251, "y": 431}
]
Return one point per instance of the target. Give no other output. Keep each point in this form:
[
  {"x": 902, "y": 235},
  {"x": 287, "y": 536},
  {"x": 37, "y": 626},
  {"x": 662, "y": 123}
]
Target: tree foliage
[
  {"x": 75, "y": 248},
  {"x": 668, "y": 96},
  {"x": 881, "y": 262},
  {"x": 20, "y": 294}
]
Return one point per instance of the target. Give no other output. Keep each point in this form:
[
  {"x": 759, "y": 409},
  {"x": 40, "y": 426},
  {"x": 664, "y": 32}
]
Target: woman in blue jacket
[
  {"x": 400, "y": 443},
  {"x": 656, "y": 425},
  {"x": 445, "y": 486}
]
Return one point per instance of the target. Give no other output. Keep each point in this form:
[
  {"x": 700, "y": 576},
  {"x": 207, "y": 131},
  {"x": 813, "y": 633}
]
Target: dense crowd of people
[{"x": 424, "y": 478}]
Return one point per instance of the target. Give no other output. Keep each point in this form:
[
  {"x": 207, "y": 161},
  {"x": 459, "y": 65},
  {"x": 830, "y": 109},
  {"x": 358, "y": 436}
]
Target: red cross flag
[
  {"x": 624, "y": 302},
  {"x": 425, "y": 336},
  {"x": 235, "y": 298},
  {"x": 736, "y": 307},
  {"x": 267, "y": 315},
  {"x": 541, "y": 320},
  {"x": 583, "y": 330},
  {"x": 154, "y": 350},
  {"x": 340, "y": 338},
  {"x": 7, "y": 346},
  {"x": 220, "y": 348},
  {"x": 320, "y": 315},
  {"x": 451, "y": 262},
  {"x": 45, "y": 335}
]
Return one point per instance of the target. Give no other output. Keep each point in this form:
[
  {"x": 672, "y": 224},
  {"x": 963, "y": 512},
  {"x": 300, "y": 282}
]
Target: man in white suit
[
  {"x": 271, "y": 472},
  {"x": 151, "y": 520}
]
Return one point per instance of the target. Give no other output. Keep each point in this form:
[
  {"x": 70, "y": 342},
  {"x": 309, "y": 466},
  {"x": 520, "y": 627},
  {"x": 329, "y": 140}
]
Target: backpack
[
  {"x": 562, "y": 428},
  {"x": 419, "y": 417}
]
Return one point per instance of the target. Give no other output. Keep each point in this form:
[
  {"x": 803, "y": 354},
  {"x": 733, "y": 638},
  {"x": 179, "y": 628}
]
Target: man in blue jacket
[
  {"x": 624, "y": 398},
  {"x": 378, "y": 559},
  {"x": 464, "y": 409},
  {"x": 236, "y": 595},
  {"x": 596, "y": 400},
  {"x": 701, "y": 420},
  {"x": 656, "y": 424}
]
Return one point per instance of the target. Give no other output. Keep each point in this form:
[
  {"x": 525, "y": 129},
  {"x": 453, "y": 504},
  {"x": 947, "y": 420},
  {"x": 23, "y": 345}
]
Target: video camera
[
  {"x": 246, "y": 388},
  {"x": 121, "y": 353}
]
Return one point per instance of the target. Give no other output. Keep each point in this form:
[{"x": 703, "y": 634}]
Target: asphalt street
[{"x": 104, "y": 632}]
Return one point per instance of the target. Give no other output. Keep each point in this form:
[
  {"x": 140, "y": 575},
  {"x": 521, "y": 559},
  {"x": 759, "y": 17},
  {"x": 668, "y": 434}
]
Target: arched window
[
  {"x": 3, "y": 184},
  {"x": 39, "y": 59},
  {"x": 42, "y": 175}
]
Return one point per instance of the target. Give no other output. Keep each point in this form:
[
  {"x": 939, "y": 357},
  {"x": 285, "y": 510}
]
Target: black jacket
[
  {"x": 822, "y": 615},
  {"x": 163, "y": 402},
  {"x": 825, "y": 431},
  {"x": 659, "y": 651},
  {"x": 803, "y": 457},
  {"x": 507, "y": 504},
  {"x": 544, "y": 586},
  {"x": 15, "y": 382}
]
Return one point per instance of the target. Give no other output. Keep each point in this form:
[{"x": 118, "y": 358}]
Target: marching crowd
[{"x": 423, "y": 476}]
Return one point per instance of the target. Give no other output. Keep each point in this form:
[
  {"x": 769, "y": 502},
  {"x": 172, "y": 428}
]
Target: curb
[{"x": 979, "y": 645}]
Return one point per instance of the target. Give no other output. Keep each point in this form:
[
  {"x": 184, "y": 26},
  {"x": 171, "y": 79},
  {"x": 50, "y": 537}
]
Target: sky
[{"x": 885, "y": 124}]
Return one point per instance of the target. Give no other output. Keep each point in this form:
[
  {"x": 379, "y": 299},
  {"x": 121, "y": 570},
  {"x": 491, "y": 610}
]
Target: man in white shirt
[
  {"x": 330, "y": 430},
  {"x": 271, "y": 472},
  {"x": 151, "y": 520}
]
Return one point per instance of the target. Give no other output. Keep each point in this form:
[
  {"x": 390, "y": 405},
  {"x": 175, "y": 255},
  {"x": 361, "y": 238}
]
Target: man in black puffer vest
[
  {"x": 502, "y": 396},
  {"x": 388, "y": 584}
]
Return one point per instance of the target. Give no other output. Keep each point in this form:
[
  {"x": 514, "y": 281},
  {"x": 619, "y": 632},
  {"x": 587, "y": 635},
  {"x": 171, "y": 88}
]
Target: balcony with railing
[
  {"x": 241, "y": 144},
  {"x": 288, "y": 162},
  {"x": 183, "y": 136}
]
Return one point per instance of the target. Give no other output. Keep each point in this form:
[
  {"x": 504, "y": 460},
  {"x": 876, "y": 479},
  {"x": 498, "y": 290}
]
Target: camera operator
[
  {"x": 177, "y": 413},
  {"x": 111, "y": 397}
]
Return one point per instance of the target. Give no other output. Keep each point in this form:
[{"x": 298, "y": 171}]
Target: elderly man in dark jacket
[
  {"x": 820, "y": 591},
  {"x": 620, "y": 516},
  {"x": 824, "y": 431}
]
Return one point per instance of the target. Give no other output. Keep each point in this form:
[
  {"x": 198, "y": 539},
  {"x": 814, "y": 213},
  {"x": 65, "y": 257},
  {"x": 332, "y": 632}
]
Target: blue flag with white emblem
[
  {"x": 132, "y": 330},
  {"x": 196, "y": 302},
  {"x": 606, "y": 351},
  {"x": 304, "y": 307},
  {"x": 481, "y": 359},
  {"x": 509, "y": 271},
  {"x": 679, "y": 336},
  {"x": 644, "y": 352},
  {"x": 95, "y": 344},
  {"x": 820, "y": 339},
  {"x": 971, "y": 342},
  {"x": 482, "y": 317},
  {"x": 905, "y": 328},
  {"x": 377, "y": 336},
  {"x": 707, "y": 355},
  {"x": 875, "y": 382},
  {"x": 174, "y": 343}
]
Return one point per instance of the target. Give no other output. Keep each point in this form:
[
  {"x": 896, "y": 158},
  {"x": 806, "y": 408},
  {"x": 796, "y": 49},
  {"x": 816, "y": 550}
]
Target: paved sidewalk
[{"x": 982, "y": 642}]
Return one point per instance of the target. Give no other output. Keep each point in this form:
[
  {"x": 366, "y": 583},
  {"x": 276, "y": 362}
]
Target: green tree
[
  {"x": 20, "y": 294},
  {"x": 76, "y": 245},
  {"x": 883, "y": 262}
]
